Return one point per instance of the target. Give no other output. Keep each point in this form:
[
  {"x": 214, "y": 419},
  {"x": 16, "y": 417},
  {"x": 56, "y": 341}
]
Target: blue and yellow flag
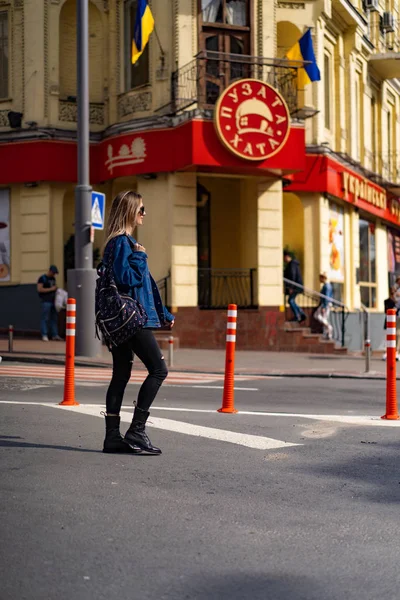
[
  {"x": 144, "y": 25},
  {"x": 303, "y": 50}
]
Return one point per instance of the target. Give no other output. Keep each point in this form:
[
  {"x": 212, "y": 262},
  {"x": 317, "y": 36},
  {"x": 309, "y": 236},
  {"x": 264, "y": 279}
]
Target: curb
[{"x": 280, "y": 374}]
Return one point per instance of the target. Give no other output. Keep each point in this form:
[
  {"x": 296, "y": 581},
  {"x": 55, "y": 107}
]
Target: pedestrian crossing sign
[{"x": 98, "y": 208}]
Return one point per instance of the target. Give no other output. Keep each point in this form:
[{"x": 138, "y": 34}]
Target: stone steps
[{"x": 295, "y": 338}]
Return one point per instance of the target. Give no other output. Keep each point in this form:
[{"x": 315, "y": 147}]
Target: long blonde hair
[{"x": 123, "y": 214}]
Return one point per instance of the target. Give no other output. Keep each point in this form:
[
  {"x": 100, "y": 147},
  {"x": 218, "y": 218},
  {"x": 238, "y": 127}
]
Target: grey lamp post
[{"x": 81, "y": 279}]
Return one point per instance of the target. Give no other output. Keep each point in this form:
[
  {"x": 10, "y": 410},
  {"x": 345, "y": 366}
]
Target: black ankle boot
[
  {"x": 136, "y": 433},
  {"x": 114, "y": 442}
]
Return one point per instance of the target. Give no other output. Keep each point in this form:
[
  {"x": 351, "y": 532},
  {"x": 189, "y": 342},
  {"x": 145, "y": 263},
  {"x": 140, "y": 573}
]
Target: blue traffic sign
[{"x": 98, "y": 210}]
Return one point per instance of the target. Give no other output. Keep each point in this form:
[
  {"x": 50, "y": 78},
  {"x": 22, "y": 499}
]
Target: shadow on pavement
[
  {"x": 7, "y": 443},
  {"x": 374, "y": 476},
  {"x": 259, "y": 587}
]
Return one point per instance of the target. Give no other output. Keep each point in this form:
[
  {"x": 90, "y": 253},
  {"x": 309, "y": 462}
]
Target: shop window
[
  {"x": 338, "y": 291},
  {"x": 139, "y": 73},
  {"x": 393, "y": 241},
  {"x": 367, "y": 271},
  {"x": 327, "y": 90},
  {"x": 336, "y": 243},
  {"x": 4, "y": 58}
]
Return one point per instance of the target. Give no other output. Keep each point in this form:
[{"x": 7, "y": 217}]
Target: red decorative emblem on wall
[{"x": 252, "y": 119}]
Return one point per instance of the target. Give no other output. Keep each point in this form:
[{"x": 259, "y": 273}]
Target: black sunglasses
[{"x": 142, "y": 211}]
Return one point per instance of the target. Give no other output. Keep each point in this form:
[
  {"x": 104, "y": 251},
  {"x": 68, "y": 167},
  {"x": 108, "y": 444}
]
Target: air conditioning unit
[
  {"x": 387, "y": 22},
  {"x": 371, "y": 5}
]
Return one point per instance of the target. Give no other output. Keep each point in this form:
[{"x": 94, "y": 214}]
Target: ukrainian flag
[
  {"x": 144, "y": 25},
  {"x": 303, "y": 50}
]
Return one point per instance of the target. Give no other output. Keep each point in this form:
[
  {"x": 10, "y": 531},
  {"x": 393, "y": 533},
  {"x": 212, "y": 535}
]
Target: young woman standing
[{"x": 133, "y": 277}]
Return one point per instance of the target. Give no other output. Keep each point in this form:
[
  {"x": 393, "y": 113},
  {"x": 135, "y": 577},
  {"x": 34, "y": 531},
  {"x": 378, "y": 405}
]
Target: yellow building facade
[
  {"x": 357, "y": 133},
  {"x": 217, "y": 224}
]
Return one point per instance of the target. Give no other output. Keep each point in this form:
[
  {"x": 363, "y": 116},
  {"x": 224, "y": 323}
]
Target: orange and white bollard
[
  {"x": 171, "y": 351},
  {"x": 391, "y": 394},
  {"x": 228, "y": 400},
  {"x": 69, "y": 378},
  {"x": 10, "y": 338}
]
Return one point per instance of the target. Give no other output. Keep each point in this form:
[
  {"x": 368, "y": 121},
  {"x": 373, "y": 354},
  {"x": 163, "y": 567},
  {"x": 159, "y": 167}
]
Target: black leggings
[{"x": 146, "y": 347}]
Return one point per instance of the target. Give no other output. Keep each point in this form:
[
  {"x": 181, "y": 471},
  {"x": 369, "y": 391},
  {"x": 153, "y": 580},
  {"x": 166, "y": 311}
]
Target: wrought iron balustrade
[
  {"x": 163, "y": 287},
  {"x": 200, "y": 82},
  {"x": 220, "y": 287}
]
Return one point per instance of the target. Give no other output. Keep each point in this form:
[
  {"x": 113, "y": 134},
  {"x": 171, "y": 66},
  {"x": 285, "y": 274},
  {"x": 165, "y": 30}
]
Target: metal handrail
[
  {"x": 342, "y": 308},
  {"x": 313, "y": 292},
  {"x": 363, "y": 312}
]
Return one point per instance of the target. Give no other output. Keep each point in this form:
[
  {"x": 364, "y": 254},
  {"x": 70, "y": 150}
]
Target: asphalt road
[{"x": 212, "y": 518}]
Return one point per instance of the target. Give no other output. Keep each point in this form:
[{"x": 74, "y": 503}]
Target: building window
[
  {"x": 327, "y": 90},
  {"x": 357, "y": 120},
  {"x": 367, "y": 272},
  {"x": 374, "y": 145},
  {"x": 389, "y": 145},
  {"x": 228, "y": 12},
  {"x": 4, "y": 58},
  {"x": 137, "y": 74},
  {"x": 224, "y": 36}
]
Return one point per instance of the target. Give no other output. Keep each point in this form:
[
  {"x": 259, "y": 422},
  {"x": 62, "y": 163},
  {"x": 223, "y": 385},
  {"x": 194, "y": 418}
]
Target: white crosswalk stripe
[{"x": 182, "y": 427}]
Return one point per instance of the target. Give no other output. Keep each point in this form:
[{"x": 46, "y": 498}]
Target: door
[{"x": 203, "y": 245}]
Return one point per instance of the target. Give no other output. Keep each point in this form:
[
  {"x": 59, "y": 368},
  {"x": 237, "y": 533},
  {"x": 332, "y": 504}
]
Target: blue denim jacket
[
  {"x": 326, "y": 290},
  {"x": 133, "y": 277}
]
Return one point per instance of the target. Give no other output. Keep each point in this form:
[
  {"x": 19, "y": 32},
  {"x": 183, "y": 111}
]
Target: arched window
[{"x": 67, "y": 56}]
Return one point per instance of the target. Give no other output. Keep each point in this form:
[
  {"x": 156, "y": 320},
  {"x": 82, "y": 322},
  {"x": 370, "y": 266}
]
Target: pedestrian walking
[
  {"x": 391, "y": 302},
  {"x": 47, "y": 288},
  {"x": 293, "y": 285},
  {"x": 132, "y": 277},
  {"x": 324, "y": 307}
]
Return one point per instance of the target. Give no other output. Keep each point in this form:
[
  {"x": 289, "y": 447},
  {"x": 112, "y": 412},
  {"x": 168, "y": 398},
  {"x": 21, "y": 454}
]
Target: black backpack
[{"x": 118, "y": 316}]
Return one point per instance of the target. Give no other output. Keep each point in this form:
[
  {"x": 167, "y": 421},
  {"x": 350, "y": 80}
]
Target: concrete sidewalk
[{"x": 286, "y": 364}]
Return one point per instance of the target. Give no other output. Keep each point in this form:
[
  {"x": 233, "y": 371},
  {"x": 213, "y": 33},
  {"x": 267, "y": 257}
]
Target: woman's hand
[
  {"x": 139, "y": 248},
  {"x": 171, "y": 324}
]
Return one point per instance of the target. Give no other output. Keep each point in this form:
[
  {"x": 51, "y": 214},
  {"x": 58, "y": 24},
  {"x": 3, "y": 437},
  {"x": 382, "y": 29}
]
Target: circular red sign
[{"x": 252, "y": 119}]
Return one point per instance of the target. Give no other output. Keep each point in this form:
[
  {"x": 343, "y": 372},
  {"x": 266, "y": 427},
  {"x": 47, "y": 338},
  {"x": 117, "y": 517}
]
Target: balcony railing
[
  {"x": 220, "y": 287},
  {"x": 199, "y": 83}
]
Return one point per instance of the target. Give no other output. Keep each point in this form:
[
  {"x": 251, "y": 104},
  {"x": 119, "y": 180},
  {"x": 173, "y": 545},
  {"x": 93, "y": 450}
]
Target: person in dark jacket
[
  {"x": 132, "y": 276},
  {"x": 391, "y": 303},
  {"x": 293, "y": 274},
  {"x": 47, "y": 288}
]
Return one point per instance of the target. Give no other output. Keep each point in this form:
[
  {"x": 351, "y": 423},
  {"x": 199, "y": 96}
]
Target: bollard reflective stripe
[
  {"x": 69, "y": 378},
  {"x": 228, "y": 404},
  {"x": 391, "y": 393}
]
